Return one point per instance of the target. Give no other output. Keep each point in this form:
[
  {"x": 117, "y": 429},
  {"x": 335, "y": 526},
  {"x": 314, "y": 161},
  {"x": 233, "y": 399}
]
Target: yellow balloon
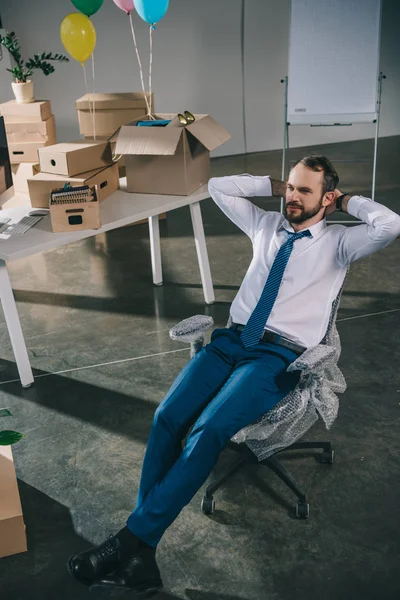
[{"x": 78, "y": 36}]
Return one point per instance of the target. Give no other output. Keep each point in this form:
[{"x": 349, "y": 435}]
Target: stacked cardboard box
[
  {"x": 28, "y": 128},
  {"x": 107, "y": 112},
  {"x": 80, "y": 163}
]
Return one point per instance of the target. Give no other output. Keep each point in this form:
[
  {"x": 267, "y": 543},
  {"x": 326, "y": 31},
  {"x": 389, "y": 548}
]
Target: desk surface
[{"x": 119, "y": 209}]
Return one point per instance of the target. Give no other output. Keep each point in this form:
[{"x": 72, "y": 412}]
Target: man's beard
[{"x": 303, "y": 215}]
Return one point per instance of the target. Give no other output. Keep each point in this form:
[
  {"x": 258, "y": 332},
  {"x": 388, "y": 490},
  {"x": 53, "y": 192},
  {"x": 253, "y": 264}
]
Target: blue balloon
[{"x": 151, "y": 11}]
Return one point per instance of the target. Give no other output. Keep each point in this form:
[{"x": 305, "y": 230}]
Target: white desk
[{"x": 119, "y": 209}]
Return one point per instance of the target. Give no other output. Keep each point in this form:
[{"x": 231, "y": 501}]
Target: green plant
[
  {"x": 23, "y": 70},
  {"x": 8, "y": 437}
]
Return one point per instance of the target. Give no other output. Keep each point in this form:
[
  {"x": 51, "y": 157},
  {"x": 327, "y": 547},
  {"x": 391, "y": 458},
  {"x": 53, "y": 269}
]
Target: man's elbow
[{"x": 388, "y": 228}]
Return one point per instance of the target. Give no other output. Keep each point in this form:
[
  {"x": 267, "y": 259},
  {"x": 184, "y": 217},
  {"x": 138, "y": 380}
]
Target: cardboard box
[
  {"x": 32, "y": 131},
  {"x": 12, "y": 526},
  {"x": 3, "y": 185},
  {"x": 72, "y": 213},
  {"x": 40, "y": 186},
  {"x": 25, "y": 152},
  {"x": 73, "y": 158},
  {"x": 21, "y": 173},
  {"x": 171, "y": 159},
  {"x": 110, "y": 111},
  {"x": 6, "y": 176},
  {"x": 34, "y": 111}
]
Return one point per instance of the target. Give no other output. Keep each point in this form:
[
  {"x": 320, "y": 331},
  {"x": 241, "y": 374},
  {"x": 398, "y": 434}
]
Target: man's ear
[{"x": 329, "y": 198}]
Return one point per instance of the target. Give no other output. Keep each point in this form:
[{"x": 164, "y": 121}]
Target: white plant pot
[{"x": 23, "y": 92}]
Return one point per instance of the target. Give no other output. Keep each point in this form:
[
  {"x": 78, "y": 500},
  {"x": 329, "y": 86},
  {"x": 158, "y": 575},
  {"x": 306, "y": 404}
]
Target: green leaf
[
  {"x": 7, "y": 438},
  {"x": 4, "y": 412}
]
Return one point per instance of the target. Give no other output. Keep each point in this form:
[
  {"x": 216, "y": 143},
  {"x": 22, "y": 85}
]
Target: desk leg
[
  {"x": 155, "y": 250},
  {"x": 202, "y": 254},
  {"x": 14, "y": 327}
]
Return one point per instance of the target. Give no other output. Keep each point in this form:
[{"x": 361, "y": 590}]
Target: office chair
[{"x": 281, "y": 427}]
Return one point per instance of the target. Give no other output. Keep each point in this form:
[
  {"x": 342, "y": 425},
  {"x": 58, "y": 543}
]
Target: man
[{"x": 282, "y": 308}]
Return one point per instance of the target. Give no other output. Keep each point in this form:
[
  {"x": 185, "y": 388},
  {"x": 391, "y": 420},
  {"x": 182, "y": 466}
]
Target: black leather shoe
[
  {"x": 138, "y": 572},
  {"x": 96, "y": 562}
]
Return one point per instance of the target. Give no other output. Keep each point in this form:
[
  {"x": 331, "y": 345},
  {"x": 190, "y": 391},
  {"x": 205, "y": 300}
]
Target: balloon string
[
  {"x": 140, "y": 69},
  {"x": 151, "y": 62},
  {"x": 87, "y": 91},
  {"x": 94, "y": 100}
]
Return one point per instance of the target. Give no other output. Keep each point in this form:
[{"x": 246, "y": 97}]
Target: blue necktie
[{"x": 254, "y": 328}]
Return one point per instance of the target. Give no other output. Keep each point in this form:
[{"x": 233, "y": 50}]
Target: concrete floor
[{"x": 97, "y": 334}]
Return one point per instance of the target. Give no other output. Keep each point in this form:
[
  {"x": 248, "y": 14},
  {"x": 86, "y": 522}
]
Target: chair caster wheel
[
  {"x": 327, "y": 458},
  {"x": 208, "y": 505},
  {"x": 302, "y": 510}
]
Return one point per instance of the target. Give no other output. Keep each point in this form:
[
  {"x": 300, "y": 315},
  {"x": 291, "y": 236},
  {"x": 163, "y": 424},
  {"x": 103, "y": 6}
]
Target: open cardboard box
[
  {"x": 110, "y": 111},
  {"x": 169, "y": 160},
  {"x": 40, "y": 186},
  {"x": 12, "y": 526}
]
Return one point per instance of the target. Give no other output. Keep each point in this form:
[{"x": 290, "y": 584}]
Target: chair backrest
[{"x": 313, "y": 397}]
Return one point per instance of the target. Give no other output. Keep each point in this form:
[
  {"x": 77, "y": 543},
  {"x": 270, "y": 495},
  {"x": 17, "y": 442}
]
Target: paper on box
[
  {"x": 73, "y": 158},
  {"x": 12, "y": 527},
  {"x": 40, "y": 186},
  {"x": 110, "y": 111},
  {"x": 171, "y": 159},
  {"x": 41, "y": 131},
  {"x": 33, "y": 111}
]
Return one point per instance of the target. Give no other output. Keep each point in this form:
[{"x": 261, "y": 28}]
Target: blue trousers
[{"x": 222, "y": 389}]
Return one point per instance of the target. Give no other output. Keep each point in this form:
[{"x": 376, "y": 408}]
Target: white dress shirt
[{"x": 317, "y": 266}]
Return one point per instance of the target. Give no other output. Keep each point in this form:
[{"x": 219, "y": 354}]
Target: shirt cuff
[{"x": 262, "y": 185}]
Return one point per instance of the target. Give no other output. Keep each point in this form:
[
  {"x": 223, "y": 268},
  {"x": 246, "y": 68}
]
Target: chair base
[{"x": 302, "y": 508}]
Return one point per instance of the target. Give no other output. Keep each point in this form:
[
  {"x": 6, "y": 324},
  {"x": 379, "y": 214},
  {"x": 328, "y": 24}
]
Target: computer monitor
[{"x": 5, "y": 166}]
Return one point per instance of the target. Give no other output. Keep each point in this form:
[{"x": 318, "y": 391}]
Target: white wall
[{"x": 197, "y": 65}]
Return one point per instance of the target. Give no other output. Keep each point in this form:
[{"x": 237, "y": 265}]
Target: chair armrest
[{"x": 191, "y": 329}]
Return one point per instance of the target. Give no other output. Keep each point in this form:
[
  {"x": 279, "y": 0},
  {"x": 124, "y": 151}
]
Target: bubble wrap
[{"x": 313, "y": 397}]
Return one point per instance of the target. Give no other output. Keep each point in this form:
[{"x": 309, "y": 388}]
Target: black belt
[{"x": 274, "y": 338}]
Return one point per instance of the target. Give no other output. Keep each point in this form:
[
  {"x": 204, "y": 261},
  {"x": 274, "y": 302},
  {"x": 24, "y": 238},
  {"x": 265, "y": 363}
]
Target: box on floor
[
  {"x": 12, "y": 526},
  {"x": 110, "y": 111},
  {"x": 42, "y": 184},
  {"x": 169, "y": 160}
]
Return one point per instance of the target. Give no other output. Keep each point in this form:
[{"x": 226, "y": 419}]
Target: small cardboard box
[
  {"x": 73, "y": 158},
  {"x": 32, "y": 131},
  {"x": 21, "y": 173},
  {"x": 76, "y": 210},
  {"x": 12, "y": 526},
  {"x": 110, "y": 111},
  {"x": 34, "y": 111},
  {"x": 171, "y": 159},
  {"x": 40, "y": 186},
  {"x": 25, "y": 152}
]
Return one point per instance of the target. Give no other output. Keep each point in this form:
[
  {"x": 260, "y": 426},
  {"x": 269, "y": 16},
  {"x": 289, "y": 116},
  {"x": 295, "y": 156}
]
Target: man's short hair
[{"x": 321, "y": 163}]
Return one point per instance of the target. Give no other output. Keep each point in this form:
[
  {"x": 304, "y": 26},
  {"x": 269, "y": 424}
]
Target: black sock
[{"x": 130, "y": 542}]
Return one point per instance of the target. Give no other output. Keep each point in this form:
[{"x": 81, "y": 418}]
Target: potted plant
[
  {"x": 8, "y": 437},
  {"x": 23, "y": 86}
]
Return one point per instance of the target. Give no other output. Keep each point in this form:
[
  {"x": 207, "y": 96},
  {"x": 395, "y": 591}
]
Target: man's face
[{"x": 304, "y": 197}]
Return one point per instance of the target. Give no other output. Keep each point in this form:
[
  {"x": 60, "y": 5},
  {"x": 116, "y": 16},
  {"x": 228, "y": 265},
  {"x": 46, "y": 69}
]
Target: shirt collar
[{"x": 314, "y": 229}]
